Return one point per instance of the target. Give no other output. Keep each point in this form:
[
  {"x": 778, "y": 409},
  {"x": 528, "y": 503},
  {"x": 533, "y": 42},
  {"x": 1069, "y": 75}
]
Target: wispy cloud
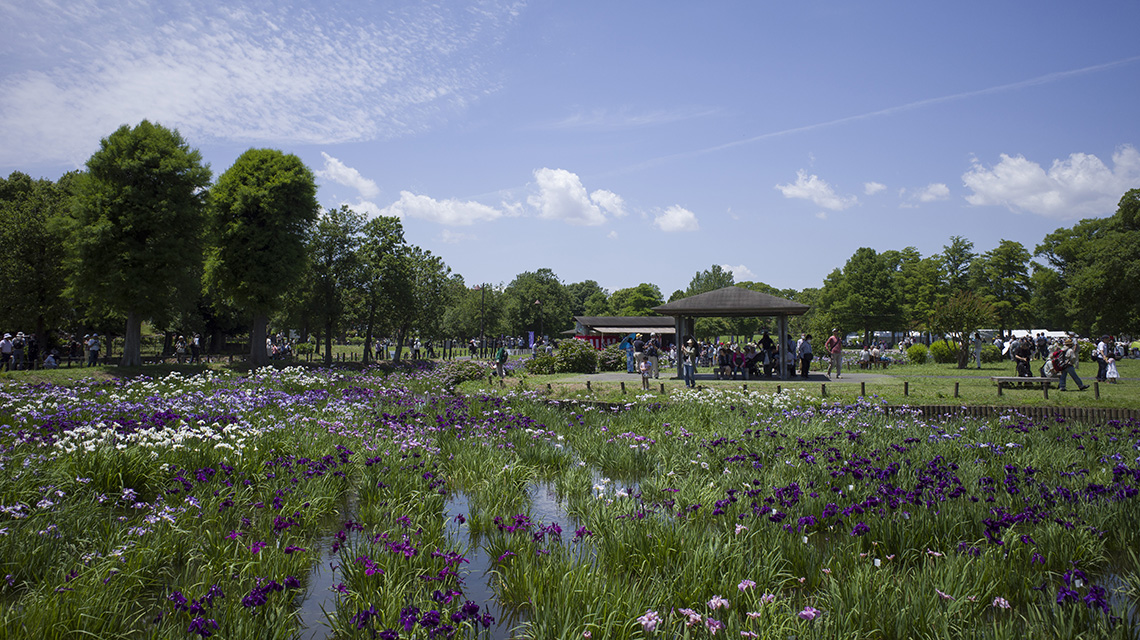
[
  {"x": 277, "y": 74},
  {"x": 676, "y": 218},
  {"x": 1048, "y": 78},
  {"x": 614, "y": 119},
  {"x": 448, "y": 212}
]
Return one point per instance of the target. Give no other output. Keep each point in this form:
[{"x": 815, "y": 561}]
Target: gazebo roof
[{"x": 732, "y": 302}]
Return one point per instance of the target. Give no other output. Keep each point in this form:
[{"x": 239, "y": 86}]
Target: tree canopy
[{"x": 140, "y": 210}]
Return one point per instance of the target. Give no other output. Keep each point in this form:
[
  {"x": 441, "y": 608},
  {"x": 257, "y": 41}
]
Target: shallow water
[{"x": 323, "y": 577}]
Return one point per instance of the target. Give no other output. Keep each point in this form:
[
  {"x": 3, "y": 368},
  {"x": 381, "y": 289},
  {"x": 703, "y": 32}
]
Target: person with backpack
[
  {"x": 1067, "y": 365},
  {"x": 653, "y": 354}
]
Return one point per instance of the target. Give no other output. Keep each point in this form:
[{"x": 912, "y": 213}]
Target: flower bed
[{"x": 194, "y": 506}]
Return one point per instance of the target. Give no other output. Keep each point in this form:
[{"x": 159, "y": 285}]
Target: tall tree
[
  {"x": 262, "y": 208},
  {"x": 958, "y": 319},
  {"x": 140, "y": 212},
  {"x": 381, "y": 249},
  {"x": 34, "y": 231},
  {"x": 580, "y": 292},
  {"x": 537, "y": 301},
  {"x": 1001, "y": 277},
  {"x": 335, "y": 268},
  {"x": 636, "y": 301},
  {"x": 956, "y": 258},
  {"x": 711, "y": 279},
  {"x": 420, "y": 284},
  {"x": 1096, "y": 262},
  {"x": 862, "y": 295}
]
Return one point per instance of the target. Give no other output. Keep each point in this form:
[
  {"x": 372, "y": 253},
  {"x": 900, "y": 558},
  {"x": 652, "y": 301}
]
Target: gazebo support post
[
  {"x": 679, "y": 326},
  {"x": 783, "y": 366}
]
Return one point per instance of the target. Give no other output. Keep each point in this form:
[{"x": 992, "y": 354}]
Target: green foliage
[
  {"x": 575, "y": 356},
  {"x": 636, "y": 301},
  {"x": 611, "y": 359},
  {"x": 943, "y": 352},
  {"x": 917, "y": 353},
  {"x": 537, "y": 301},
  {"x": 991, "y": 354},
  {"x": 962, "y": 315},
  {"x": 540, "y": 365},
  {"x": 452, "y": 373},
  {"x": 140, "y": 214},
  {"x": 1085, "y": 351}
]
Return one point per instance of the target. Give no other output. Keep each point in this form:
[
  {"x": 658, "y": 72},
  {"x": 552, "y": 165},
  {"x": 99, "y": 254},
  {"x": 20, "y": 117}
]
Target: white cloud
[
  {"x": 338, "y": 172},
  {"x": 609, "y": 202},
  {"x": 676, "y": 218},
  {"x": 932, "y": 192},
  {"x": 822, "y": 215},
  {"x": 451, "y": 237},
  {"x": 871, "y": 188},
  {"x": 258, "y": 73},
  {"x": 817, "y": 191},
  {"x": 1078, "y": 187},
  {"x": 740, "y": 273},
  {"x": 561, "y": 196},
  {"x": 612, "y": 235},
  {"x": 446, "y": 212}
]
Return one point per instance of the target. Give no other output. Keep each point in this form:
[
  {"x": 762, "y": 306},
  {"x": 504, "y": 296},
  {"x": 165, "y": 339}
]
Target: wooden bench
[
  {"x": 1034, "y": 382},
  {"x": 1024, "y": 382}
]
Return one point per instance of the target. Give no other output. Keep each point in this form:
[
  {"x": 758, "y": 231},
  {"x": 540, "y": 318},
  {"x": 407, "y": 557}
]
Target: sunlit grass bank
[{"x": 199, "y": 505}]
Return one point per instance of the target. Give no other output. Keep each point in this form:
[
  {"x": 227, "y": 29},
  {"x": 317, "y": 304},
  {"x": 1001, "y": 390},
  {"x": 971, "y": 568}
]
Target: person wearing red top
[{"x": 834, "y": 346}]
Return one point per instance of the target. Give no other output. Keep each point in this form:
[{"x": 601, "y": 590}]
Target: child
[
  {"x": 646, "y": 370},
  {"x": 1111, "y": 373}
]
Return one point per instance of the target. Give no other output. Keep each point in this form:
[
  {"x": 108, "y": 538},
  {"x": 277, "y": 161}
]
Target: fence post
[
  {"x": 1045, "y": 388},
  {"x": 863, "y": 389},
  {"x": 906, "y": 388},
  {"x": 955, "y": 389},
  {"x": 823, "y": 390},
  {"x": 623, "y": 387},
  {"x": 1096, "y": 389}
]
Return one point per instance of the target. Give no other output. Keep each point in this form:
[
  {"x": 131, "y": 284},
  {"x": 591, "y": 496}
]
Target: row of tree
[{"x": 143, "y": 234}]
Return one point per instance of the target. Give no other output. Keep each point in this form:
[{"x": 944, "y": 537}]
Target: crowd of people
[
  {"x": 20, "y": 351},
  {"x": 1060, "y": 356}
]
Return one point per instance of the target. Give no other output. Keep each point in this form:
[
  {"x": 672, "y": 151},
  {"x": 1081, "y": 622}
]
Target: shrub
[
  {"x": 304, "y": 348},
  {"x": 540, "y": 365},
  {"x": 944, "y": 352},
  {"x": 917, "y": 353},
  {"x": 454, "y": 372},
  {"x": 991, "y": 354},
  {"x": 1085, "y": 351},
  {"x": 611, "y": 359},
  {"x": 575, "y": 356}
]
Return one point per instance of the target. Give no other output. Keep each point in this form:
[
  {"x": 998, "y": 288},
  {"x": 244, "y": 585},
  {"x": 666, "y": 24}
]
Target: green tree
[
  {"x": 711, "y": 279},
  {"x": 1097, "y": 261},
  {"x": 140, "y": 212},
  {"x": 958, "y": 319},
  {"x": 537, "y": 301},
  {"x": 419, "y": 287},
  {"x": 580, "y": 293},
  {"x": 956, "y": 258},
  {"x": 598, "y": 304},
  {"x": 1001, "y": 277},
  {"x": 34, "y": 231},
  {"x": 381, "y": 247},
  {"x": 862, "y": 295},
  {"x": 335, "y": 268},
  {"x": 262, "y": 209},
  {"x": 636, "y": 301}
]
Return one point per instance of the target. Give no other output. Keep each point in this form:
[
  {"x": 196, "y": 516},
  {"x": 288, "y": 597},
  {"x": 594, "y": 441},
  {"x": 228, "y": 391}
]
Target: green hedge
[{"x": 917, "y": 354}]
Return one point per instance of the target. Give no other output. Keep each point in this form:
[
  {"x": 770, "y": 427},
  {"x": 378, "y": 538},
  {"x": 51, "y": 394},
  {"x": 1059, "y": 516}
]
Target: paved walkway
[{"x": 707, "y": 378}]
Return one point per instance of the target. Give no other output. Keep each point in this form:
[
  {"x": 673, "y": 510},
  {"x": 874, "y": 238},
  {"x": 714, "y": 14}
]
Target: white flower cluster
[
  {"x": 719, "y": 398},
  {"x": 90, "y": 438}
]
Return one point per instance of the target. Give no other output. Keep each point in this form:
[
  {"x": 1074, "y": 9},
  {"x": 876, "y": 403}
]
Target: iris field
[{"x": 315, "y": 503}]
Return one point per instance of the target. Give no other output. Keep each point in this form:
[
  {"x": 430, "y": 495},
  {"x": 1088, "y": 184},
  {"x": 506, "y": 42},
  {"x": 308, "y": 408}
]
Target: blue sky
[{"x": 622, "y": 142}]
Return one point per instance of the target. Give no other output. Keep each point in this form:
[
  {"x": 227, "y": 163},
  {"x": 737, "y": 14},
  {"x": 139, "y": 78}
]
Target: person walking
[
  {"x": 1069, "y": 367},
  {"x": 834, "y": 347}
]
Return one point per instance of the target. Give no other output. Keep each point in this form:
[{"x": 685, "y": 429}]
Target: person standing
[
  {"x": 1069, "y": 367},
  {"x": 978, "y": 349},
  {"x": 689, "y": 355},
  {"x": 501, "y": 360},
  {"x": 1101, "y": 355},
  {"x": 93, "y": 350},
  {"x": 834, "y": 347},
  {"x": 803, "y": 351},
  {"x": 638, "y": 350},
  {"x": 6, "y": 352}
]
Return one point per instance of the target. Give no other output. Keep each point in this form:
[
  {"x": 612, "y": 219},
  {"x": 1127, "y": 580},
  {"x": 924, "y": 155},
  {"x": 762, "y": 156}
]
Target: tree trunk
[
  {"x": 368, "y": 334},
  {"x": 328, "y": 344},
  {"x": 258, "y": 356},
  {"x": 400, "y": 335},
  {"x": 131, "y": 341}
]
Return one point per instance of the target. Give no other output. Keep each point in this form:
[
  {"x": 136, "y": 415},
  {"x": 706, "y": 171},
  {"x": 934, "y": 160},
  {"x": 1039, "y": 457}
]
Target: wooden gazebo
[{"x": 732, "y": 302}]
